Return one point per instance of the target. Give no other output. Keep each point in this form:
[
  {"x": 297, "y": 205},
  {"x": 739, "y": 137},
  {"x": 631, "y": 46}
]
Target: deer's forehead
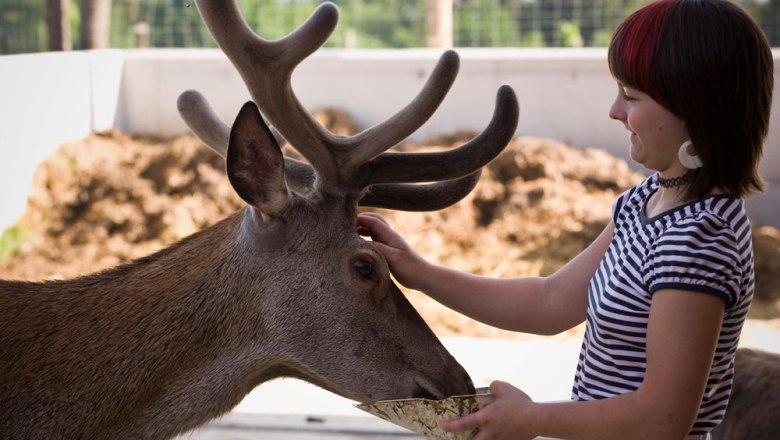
[
  {"x": 312, "y": 221},
  {"x": 326, "y": 211}
]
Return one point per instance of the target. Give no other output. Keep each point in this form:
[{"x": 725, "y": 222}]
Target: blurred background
[
  {"x": 97, "y": 168},
  {"x": 111, "y": 112},
  {"x": 42, "y": 25}
]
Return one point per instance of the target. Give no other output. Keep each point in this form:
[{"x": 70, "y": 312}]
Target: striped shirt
[{"x": 703, "y": 246}]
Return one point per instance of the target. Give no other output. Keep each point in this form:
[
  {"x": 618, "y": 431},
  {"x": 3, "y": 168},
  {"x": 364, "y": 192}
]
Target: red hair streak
[{"x": 635, "y": 44}]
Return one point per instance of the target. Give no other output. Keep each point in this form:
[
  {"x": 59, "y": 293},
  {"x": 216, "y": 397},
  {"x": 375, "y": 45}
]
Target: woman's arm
[
  {"x": 682, "y": 335},
  {"x": 540, "y": 305}
]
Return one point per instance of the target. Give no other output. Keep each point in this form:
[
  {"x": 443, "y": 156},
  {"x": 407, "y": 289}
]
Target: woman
[{"x": 666, "y": 286}]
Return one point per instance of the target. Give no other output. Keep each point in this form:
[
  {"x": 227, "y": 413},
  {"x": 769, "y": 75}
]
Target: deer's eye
[{"x": 364, "y": 268}]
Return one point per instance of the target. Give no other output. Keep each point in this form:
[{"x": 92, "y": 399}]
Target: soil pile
[{"x": 110, "y": 198}]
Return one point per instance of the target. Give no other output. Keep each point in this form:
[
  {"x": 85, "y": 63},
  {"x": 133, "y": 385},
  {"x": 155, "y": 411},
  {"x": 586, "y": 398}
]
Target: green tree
[
  {"x": 487, "y": 23},
  {"x": 381, "y": 23},
  {"x": 571, "y": 35},
  {"x": 95, "y": 24},
  {"x": 58, "y": 24},
  {"x": 363, "y": 24},
  {"x": 770, "y": 21},
  {"x": 22, "y": 26}
]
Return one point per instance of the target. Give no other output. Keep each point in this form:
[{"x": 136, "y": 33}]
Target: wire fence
[{"x": 363, "y": 24}]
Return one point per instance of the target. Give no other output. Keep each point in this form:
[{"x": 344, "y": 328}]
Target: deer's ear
[{"x": 255, "y": 165}]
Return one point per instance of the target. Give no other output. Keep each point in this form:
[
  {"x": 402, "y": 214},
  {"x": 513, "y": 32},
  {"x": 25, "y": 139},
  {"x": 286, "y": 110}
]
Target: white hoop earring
[{"x": 690, "y": 161}]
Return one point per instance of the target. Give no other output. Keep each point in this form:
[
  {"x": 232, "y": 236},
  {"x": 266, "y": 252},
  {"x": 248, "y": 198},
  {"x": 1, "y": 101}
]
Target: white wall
[
  {"x": 564, "y": 94},
  {"x": 45, "y": 100},
  {"x": 558, "y": 89}
]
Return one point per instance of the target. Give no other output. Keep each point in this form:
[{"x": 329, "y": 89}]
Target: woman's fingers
[{"x": 465, "y": 423}]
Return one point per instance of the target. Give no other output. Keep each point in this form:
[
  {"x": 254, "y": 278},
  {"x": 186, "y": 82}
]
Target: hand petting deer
[{"x": 285, "y": 287}]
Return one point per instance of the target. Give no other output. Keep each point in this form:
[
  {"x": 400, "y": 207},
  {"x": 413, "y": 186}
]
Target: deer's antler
[{"x": 358, "y": 165}]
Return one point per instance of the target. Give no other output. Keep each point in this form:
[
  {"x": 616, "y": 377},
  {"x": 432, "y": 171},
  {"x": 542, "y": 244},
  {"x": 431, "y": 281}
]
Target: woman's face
[{"x": 655, "y": 133}]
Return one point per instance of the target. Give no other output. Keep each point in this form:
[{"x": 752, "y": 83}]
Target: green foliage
[
  {"x": 75, "y": 22},
  {"x": 363, "y": 23},
  {"x": 532, "y": 39},
  {"x": 11, "y": 241},
  {"x": 275, "y": 19},
  {"x": 171, "y": 23},
  {"x": 571, "y": 35},
  {"x": 382, "y": 23},
  {"x": 484, "y": 23},
  {"x": 601, "y": 38},
  {"x": 22, "y": 27}
]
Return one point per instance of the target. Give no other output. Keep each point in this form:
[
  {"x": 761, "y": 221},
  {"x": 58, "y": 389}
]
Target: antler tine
[
  {"x": 201, "y": 119},
  {"x": 348, "y": 165},
  {"x": 455, "y": 171},
  {"x": 427, "y": 197},
  {"x": 199, "y": 116},
  {"x": 379, "y": 138},
  {"x": 266, "y": 68},
  {"x": 241, "y": 44},
  {"x": 451, "y": 164}
]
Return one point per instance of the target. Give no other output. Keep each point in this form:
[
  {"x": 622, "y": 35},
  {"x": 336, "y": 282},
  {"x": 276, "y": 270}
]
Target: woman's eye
[
  {"x": 364, "y": 268},
  {"x": 627, "y": 95}
]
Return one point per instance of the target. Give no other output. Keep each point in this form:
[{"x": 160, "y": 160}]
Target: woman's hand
[
  {"x": 407, "y": 266},
  {"x": 508, "y": 417}
]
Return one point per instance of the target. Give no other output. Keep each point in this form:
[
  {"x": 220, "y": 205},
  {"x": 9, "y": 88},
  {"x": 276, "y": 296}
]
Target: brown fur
[
  {"x": 159, "y": 346},
  {"x": 754, "y": 409},
  {"x": 286, "y": 287}
]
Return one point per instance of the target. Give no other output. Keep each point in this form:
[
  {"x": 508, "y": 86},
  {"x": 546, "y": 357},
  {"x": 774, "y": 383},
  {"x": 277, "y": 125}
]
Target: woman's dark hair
[{"x": 708, "y": 62}]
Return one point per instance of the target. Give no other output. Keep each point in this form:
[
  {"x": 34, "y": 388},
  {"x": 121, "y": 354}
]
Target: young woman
[{"x": 666, "y": 286}]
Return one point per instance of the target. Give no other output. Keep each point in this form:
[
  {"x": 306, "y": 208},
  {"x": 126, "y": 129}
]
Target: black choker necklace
[{"x": 676, "y": 181}]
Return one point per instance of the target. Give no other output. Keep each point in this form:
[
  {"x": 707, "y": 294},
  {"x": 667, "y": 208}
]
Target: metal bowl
[{"x": 423, "y": 416}]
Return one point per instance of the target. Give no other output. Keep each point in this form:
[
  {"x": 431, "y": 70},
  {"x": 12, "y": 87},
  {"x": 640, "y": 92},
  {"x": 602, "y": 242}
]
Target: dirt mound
[{"x": 109, "y": 199}]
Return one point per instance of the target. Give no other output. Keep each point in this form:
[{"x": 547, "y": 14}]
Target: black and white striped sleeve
[{"x": 701, "y": 254}]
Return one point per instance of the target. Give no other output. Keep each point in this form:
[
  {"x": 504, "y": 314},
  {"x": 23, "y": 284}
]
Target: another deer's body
[{"x": 754, "y": 405}]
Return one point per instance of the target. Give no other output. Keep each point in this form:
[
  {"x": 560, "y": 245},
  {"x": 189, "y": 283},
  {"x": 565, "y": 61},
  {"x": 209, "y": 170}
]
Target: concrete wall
[
  {"x": 564, "y": 94},
  {"x": 45, "y": 100}
]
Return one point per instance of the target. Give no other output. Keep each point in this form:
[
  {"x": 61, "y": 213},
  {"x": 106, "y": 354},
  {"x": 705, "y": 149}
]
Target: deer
[
  {"x": 755, "y": 399},
  {"x": 285, "y": 287}
]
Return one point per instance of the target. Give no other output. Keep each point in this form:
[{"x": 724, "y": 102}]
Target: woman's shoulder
[
  {"x": 719, "y": 211},
  {"x": 631, "y": 201}
]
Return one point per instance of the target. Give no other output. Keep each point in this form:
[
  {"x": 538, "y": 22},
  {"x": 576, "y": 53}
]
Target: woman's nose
[{"x": 616, "y": 111}]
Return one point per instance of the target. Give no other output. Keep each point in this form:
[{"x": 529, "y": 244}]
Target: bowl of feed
[{"x": 423, "y": 416}]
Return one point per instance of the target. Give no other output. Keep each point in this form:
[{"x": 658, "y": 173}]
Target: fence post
[
  {"x": 58, "y": 24},
  {"x": 95, "y": 23},
  {"x": 439, "y": 23}
]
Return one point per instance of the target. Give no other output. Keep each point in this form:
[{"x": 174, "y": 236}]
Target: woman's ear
[{"x": 255, "y": 164}]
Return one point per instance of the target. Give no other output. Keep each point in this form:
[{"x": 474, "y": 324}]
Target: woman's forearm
[
  {"x": 625, "y": 417},
  {"x": 516, "y": 304},
  {"x": 539, "y": 305}
]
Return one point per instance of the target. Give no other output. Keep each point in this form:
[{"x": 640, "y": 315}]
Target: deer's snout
[
  {"x": 450, "y": 379},
  {"x": 456, "y": 384}
]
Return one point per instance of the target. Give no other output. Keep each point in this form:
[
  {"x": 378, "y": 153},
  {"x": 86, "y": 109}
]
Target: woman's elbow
[{"x": 665, "y": 420}]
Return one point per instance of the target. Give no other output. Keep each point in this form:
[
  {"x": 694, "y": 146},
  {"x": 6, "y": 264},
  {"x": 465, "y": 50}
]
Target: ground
[{"x": 110, "y": 198}]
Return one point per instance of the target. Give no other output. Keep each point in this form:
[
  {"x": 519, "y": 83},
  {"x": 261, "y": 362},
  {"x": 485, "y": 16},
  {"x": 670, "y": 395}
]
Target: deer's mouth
[
  {"x": 424, "y": 389},
  {"x": 422, "y": 393},
  {"x": 456, "y": 385}
]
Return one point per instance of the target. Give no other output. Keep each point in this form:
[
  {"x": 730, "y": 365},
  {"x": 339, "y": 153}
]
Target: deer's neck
[{"x": 166, "y": 337}]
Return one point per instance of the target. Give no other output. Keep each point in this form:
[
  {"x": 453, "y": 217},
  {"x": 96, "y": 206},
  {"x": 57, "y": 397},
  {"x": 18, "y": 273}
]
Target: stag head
[{"x": 357, "y": 335}]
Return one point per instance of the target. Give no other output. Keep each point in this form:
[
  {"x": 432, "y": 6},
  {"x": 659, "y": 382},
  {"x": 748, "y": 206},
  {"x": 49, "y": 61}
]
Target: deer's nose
[
  {"x": 469, "y": 384},
  {"x": 456, "y": 383}
]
